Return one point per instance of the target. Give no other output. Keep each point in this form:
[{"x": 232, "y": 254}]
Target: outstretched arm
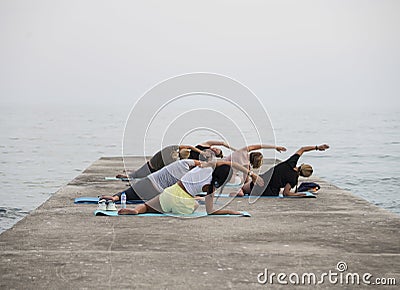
[
  {"x": 322, "y": 147},
  {"x": 265, "y": 146},
  {"x": 218, "y": 143},
  {"x": 255, "y": 178},
  {"x": 287, "y": 192}
]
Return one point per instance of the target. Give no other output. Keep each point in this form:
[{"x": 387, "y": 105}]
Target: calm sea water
[{"x": 45, "y": 146}]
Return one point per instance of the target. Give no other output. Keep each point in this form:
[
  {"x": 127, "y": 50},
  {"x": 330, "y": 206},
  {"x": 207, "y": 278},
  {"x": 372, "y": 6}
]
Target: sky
[{"x": 289, "y": 53}]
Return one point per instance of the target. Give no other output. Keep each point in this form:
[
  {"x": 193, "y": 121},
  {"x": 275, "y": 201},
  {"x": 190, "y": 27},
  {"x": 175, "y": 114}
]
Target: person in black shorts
[{"x": 283, "y": 175}]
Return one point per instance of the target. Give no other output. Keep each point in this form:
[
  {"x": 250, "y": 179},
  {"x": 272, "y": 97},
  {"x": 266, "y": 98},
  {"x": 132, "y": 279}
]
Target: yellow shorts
[{"x": 174, "y": 199}]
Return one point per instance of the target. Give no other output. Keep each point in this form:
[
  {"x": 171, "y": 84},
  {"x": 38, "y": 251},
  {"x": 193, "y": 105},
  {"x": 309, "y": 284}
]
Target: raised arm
[
  {"x": 218, "y": 143},
  {"x": 255, "y": 178},
  {"x": 265, "y": 146},
  {"x": 322, "y": 147}
]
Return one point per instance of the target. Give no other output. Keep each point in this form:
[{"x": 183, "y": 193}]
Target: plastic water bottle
[
  {"x": 238, "y": 180},
  {"x": 123, "y": 200}
]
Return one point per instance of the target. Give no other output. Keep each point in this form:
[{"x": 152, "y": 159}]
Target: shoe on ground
[
  {"x": 102, "y": 205},
  {"x": 111, "y": 206}
]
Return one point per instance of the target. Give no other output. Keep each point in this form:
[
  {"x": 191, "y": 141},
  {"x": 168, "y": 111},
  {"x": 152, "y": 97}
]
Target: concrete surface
[{"x": 63, "y": 246}]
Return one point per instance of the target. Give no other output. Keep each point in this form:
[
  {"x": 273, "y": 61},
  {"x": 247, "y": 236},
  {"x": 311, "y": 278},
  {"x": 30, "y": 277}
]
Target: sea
[{"x": 45, "y": 145}]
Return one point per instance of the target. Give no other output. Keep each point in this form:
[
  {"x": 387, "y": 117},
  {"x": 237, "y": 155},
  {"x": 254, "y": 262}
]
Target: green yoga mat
[{"x": 195, "y": 214}]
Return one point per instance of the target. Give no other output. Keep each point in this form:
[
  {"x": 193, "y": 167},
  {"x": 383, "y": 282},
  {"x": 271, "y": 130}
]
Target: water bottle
[
  {"x": 238, "y": 180},
  {"x": 123, "y": 200}
]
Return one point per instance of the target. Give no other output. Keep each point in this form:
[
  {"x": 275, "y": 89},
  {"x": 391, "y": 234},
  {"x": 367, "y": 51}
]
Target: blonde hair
[
  {"x": 306, "y": 170},
  {"x": 184, "y": 153}
]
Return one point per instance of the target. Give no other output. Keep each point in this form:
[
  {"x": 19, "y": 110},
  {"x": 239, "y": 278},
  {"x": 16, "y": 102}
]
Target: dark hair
[
  {"x": 220, "y": 175},
  {"x": 256, "y": 159},
  {"x": 220, "y": 155}
]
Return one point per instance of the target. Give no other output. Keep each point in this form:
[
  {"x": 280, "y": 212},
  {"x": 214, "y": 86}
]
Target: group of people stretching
[{"x": 176, "y": 177}]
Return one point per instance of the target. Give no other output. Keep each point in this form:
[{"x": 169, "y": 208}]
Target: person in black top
[
  {"x": 283, "y": 175},
  {"x": 172, "y": 153},
  {"x": 208, "y": 145},
  {"x": 162, "y": 158}
]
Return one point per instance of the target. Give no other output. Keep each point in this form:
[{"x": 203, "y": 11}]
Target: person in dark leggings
[
  {"x": 173, "y": 153},
  {"x": 180, "y": 197},
  {"x": 210, "y": 145},
  {"x": 162, "y": 158},
  {"x": 153, "y": 184},
  {"x": 283, "y": 175}
]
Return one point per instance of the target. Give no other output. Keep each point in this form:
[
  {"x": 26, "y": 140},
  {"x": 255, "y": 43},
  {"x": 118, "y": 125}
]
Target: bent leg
[
  {"x": 152, "y": 205},
  {"x": 142, "y": 171},
  {"x": 247, "y": 187},
  {"x": 137, "y": 210},
  {"x": 130, "y": 195}
]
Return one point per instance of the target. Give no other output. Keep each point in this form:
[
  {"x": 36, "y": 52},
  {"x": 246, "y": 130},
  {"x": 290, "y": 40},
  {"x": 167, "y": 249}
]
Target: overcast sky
[{"x": 287, "y": 52}]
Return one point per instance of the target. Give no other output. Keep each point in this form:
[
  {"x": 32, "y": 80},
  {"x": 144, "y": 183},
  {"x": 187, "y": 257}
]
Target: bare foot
[
  {"x": 109, "y": 197},
  {"x": 127, "y": 211},
  {"x": 121, "y": 176}
]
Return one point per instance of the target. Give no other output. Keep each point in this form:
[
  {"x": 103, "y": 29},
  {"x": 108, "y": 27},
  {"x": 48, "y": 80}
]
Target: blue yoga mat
[
  {"x": 116, "y": 178},
  {"x": 307, "y": 195},
  {"x": 195, "y": 214},
  {"x": 93, "y": 199}
]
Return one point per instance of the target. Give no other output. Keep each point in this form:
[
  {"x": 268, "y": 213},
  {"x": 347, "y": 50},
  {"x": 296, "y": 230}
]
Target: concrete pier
[{"x": 61, "y": 245}]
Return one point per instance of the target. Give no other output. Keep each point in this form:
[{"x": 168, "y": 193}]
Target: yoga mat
[
  {"x": 195, "y": 214},
  {"x": 308, "y": 195},
  {"x": 93, "y": 199},
  {"x": 116, "y": 178}
]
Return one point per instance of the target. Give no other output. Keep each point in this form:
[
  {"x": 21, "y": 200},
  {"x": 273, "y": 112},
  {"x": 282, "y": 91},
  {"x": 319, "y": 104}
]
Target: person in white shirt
[
  {"x": 152, "y": 185},
  {"x": 180, "y": 197}
]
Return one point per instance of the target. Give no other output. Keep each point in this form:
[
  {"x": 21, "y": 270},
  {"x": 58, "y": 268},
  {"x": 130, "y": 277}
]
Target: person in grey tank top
[{"x": 155, "y": 183}]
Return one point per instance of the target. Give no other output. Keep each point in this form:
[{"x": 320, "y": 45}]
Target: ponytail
[{"x": 220, "y": 176}]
